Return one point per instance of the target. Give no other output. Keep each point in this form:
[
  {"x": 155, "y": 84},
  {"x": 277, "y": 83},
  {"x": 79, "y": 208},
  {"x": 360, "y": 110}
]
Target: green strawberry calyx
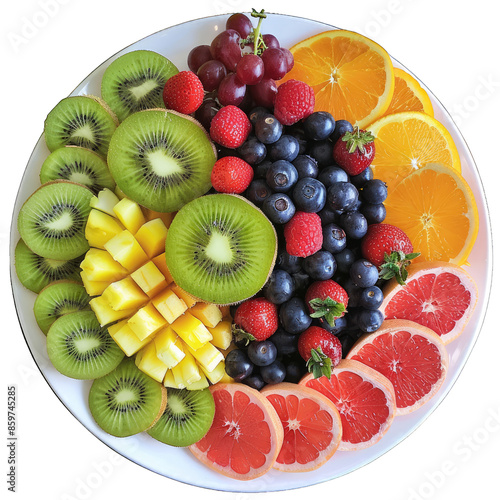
[
  {"x": 327, "y": 308},
  {"x": 319, "y": 363},
  {"x": 357, "y": 140},
  {"x": 240, "y": 335},
  {"x": 395, "y": 265}
]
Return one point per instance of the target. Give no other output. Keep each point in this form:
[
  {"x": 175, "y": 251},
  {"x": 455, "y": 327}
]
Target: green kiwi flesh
[
  {"x": 161, "y": 159},
  {"x": 186, "y": 419},
  {"x": 80, "y": 348},
  {"x": 36, "y": 272},
  {"x": 135, "y": 81},
  {"x": 221, "y": 248},
  {"x": 80, "y": 121},
  {"x": 126, "y": 401},
  {"x": 79, "y": 165},
  {"x": 52, "y": 220},
  {"x": 57, "y": 299}
]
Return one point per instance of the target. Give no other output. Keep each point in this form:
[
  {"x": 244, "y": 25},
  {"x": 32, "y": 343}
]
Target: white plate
[{"x": 179, "y": 464}]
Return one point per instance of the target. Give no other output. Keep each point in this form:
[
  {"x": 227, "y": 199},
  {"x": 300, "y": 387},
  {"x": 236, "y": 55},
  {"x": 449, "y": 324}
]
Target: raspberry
[
  {"x": 230, "y": 127},
  {"x": 183, "y": 92},
  {"x": 231, "y": 174},
  {"x": 294, "y": 101},
  {"x": 303, "y": 234}
]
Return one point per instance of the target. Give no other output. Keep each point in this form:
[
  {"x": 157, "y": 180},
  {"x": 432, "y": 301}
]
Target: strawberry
[
  {"x": 255, "y": 319},
  {"x": 303, "y": 234},
  {"x": 354, "y": 151},
  {"x": 294, "y": 101},
  {"x": 390, "y": 249},
  {"x": 321, "y": 350},
  {"x": 183, "y": 92},
  {"x": 231, "y": 174},
  {"x": 230, "y": 127},
  {"x": 326, "y": 300}
]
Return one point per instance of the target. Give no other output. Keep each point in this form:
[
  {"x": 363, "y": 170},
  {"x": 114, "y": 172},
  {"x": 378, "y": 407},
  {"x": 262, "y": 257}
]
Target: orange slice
[
  {"x": 405, "y": 142},
  {"x": 352, "y": 76},
  {"x": 435, "y": 207},
  {"x": 438, "y": 295},
  {"x": 410, "y": 355}
]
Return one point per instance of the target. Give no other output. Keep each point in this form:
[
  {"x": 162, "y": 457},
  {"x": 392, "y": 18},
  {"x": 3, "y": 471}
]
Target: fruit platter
[{"x": 251, "y": 252}]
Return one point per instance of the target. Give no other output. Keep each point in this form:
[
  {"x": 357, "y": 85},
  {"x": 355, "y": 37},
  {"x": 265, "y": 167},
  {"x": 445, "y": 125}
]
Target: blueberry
[
  {"x": 252, "y": 151},
  {"x": 322, "y": 152},
  {"x": 254, "y": 381},
  {"x": 281, "y": 176},
  {"x": 338, "y": 325},
  {"x": 320, "y": 265},
  {"x": 273, "y": 373},
  {"x": 285, "y": 148},
  {"x": 268, "y": 129},
  {"x": 319, "y": 125},
  {"x": 256, "y": 113},
  {"x": 363, "y": 177},
  {"x": 280, "y": 287},
  {"x": 238, "y": 365},
  {"x": 261, "y": 169},
  {"x": 374, "y": 191},
  {"x": 347, "y": 342},
  {"x": 295, "y": 370},
  {"x": 354, "y": 224},
  {"x": 334, "y": 238},
  {"x": 279, "y": 208},
  {"x": 363, "y": 273},
  {"x": 374, "y": 214},
  {"x": 328, "y": 216},
  {"x": 353, "y": 291},
  {"x": 298, "y": 132},
  {"x": 331, "y": 174},
  {"x": 287, "y": 262},
  {"x": 369, "y": 320},
  {"x": 309, "y": 195},
  {"x": 286, "y": 343},
  {"x": 262, "y": 353},
  {"x": 371, "y": 297},
  {"x": 294, "y": 316},
  {"x": 306, "y": 166},
  {"x": 341, "y": 196},
  {"x": 301, "y": 280},
  {"x": 258, "y": 191},
  {"x": 341, "y": 127},
  {"x": 344, "y": 259}
]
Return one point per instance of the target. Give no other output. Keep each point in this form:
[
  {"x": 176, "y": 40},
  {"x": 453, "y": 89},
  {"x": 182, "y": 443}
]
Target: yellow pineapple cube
[
  {"x": 151, "y": 236},
  {"x": 104, "y": 312},
  {"x": 100, "y": 266},
  {"x": 222, "y": 334},
  {"x": 198, "y": 385},
  {"x": 185, "y": 296},
  {"x": 208, "y": 314},
  {"x": 169, "y": 305},
  {"x": 129, "y": 213},
  {"x": 146, "y": 322},
  {"x": 101, "y": 228},
  {"x": 161, "y": 263},
  {"x": 147, "y": 361},
  {"x": 189, "y": 370},
  {"x": 125, "y": 249},
  {"x": 125, "y": 294},
  {"x": 207, "y": 356},
  {"x": 177, "y": 375},
  {"x": 93, "y": 287},
  {"x": 149, "y": 278},
  {"x": 190, "y": 329},
  {"x": 166, "y": 217},
  {"x": 168, "y": 346},
  {"x": 169, "y": 380},
  {"x": 126, "y": 339},
  {"x": 226, "y": 379},
  {"x": 216, "y": 374},
  {"x": 105, "y": 201}
]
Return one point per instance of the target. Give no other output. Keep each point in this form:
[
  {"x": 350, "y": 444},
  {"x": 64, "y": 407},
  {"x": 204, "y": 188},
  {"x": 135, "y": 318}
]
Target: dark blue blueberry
[
  {"x": 369, "y": 320},
  {"x": 309, "y": 195},
  {"x": 273, "y": 373},
  {"x": 374, "y": 214},
  {"x": 371, "y": 297},
  {"x": 344, "y": 259},
  {"x": 256, "y": 113},
  {"x": 252, "y": 151},
  {"x": 261, "y": 169},
  {"x": 328, "y": 216},
  {"x": 347, "y": 342},
  {"x": 301, "y": 280},
  {"x": 322, "y": 152},
  {"x": 279, "y": 208},
  {"x": 258, "y": 191},
  {"x": 360, "y": 179},
  {"x": 306, "y": 166},
  {"x": 287, "y": 262},
  {"x": 298, "y": 132},
  {"x": 353, "y": 291},
  {"x": 331, "y": 174},
  {"x": 341, "y": 196},
  {"x": 354, "y": 224},
  {"x": 319, "y": 125},
  {"x": 280, "y": 287},
  {"x": 268, "y": 129},
  {"x": 338, "y": 325},
  {"x": 281, "y": 176},
  {"x": 341, "y": 127},
  {"x": 294, "y": 316},
  {"x": 262, "y": 353},
  {"x": 286, "y": 343},
  {"x": 254, "y": 381},
  {"x": 363, "y": 273},
  {"x": 285, "y": 148},
  {"x": 320, "y": 265},
  {"x": 374, "y": 191},
  {"x": 334, "y": 238},
  {"x": 238, "y": 365},
  {"x": 295, "y": 370}
]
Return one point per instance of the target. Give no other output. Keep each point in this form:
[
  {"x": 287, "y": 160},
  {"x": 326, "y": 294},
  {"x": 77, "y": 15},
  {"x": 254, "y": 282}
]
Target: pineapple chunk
[
  {"x": 147, "y": 361},
  {"x": 208, "y": 314},
  {"x": 222, "y": 334},
  {"x": 177, "y": 375},
  {"x": 161, "y": 263},
  {"x": 126, "y": 339},
  {"x": 200, "y": 384},
  {"x": 207, "y": 356},
  {"x": 168, "y": 347},
  {"x": 100, "y": 266},
  {"x": 105, "y": 314},
  {"x": 129, "y": 214},
  {"x": 191, "y": 330},
  {"x": 185, "y": 296},
  {"x": 93, "y": 288},
  {"x": 125, "y": 294},
  {"x": 146, "y": 322},
  {"x": 188, "y": 369},
  {"x": 166, "y": 217},
  {"x": 105, "y": 201},
  {"x": 101, "y": 228},
  {"x": 150, "y": 279},
  {"x": 125, "y": 249},
  {"x": 216, "y": 374},
  {"x": 226, "y": 379},
  {"x": 151, "y": 236},
  {"x": 169, "y": 305},
  {"x": 169, "y": 380}
]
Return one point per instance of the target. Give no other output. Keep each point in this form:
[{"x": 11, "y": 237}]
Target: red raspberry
[
  {"x": 230, "y": 127},
  {"x": 294, "y": 101},
  {"x": 183, "y": 92},
  {"x": 303, "y": 234},
  {"x": 231, "y": 175}
]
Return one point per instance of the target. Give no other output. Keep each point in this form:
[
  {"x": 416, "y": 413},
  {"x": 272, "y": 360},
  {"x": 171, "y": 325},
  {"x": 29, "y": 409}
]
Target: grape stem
[{"x": 257, "y": 36}]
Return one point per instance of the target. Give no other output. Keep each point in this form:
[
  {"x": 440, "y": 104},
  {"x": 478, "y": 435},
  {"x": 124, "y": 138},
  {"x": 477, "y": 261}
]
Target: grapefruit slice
[
  {"x": 311, "y": 424},
  {"x": 364, "y": 398},
  {"x": 439, "y": 295},
  {"x": 410, "y": 355},
  {"x": 246, "y": 434}
]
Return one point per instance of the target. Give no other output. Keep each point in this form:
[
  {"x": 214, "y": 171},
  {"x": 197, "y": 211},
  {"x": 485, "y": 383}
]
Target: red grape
[
  {"x": 211, "y": 74},
  {"x": 225, "y": 47},
  {"x": 264, "y": 93},
  {"x": 289, "y": 58},
  {"x": 231, "y": 90},
  {"x": 250, "y": 69},
  {"x": 271, "y": 41},
  {"x": 198, "y": 55},
  {"x": 205, "y": 113},
  {"x": 240, "y": 23},
  {"x": 275, "y": 63}
]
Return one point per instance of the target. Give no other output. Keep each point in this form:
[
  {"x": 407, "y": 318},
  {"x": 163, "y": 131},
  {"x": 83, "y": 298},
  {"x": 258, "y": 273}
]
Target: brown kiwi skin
[
  {"x": 164, "y": 398},
  {"x": 104, "y": 104}
]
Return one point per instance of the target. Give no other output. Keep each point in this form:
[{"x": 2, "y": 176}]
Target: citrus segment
[
  {"x": 364, "y": 398},
  {"x": 352, "y": 76},
  {"x": 410, "y": 355},
  {"x": 438, "y": 295},
  {"x": 246, "y": 434},
  {"x": 405, "y": 142},
  {"x": 311, "y": 424},
  {"x": 435, "y": 207}
]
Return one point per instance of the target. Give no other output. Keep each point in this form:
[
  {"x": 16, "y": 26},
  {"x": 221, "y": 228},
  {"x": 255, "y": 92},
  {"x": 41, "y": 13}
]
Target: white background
[{"x": 451, "y": 45}]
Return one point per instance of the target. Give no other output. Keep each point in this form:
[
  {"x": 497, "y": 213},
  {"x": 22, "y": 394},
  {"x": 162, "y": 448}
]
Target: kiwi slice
[
  {"x": 52, "y": 220},
  {"x": 135, "y": 81},
  {"x": 57, "y": 299},
  {"x": 84, "y": 121},
  {"x": 126, "y": 401},
  {"x": 80, "y": 348},
  {"x": 36, "y": 272},
  {"x": 221, "y": 248},
  {"x": 78, "y": 165},
  {"x": 186, "y": 419},
  {"x": 161, "y": 159}
]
